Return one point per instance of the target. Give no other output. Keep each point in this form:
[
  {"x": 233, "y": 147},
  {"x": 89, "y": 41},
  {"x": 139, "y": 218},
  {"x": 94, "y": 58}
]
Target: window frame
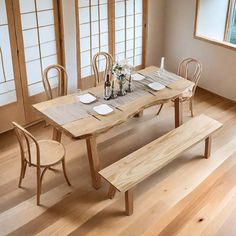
[
  {"x": 87, "y": 82},
  {"x": 223, "y": 43}
]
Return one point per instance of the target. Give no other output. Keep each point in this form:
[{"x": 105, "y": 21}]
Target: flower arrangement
[{"x": 120, "y": 70}]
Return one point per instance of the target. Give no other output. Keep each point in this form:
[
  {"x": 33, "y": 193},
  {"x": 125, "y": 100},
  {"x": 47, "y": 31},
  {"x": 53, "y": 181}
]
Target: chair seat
[{"x": 51, "y": 152}]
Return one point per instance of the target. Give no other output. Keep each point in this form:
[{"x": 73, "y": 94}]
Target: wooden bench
[{"x": 126, "y": 173}]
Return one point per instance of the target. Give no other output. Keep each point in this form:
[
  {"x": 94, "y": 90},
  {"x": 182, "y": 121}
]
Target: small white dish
[
  {"x": 103, "y": 109},
  {"x": 156, "y": 86},
  {"x": 87, "y": 98},
  {"x": 137, "y": 77}
]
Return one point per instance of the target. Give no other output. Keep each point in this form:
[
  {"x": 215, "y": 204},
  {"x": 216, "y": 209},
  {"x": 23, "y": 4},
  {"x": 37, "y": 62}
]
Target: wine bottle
[{"x": 107, "y": 88}]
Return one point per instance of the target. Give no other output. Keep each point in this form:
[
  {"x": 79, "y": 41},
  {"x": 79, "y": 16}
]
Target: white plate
[
  {"x": 103, "y": 109},
  {"x": 156, "y": 86},
  {"x": 137, "y": 77},
  {"x": 87, "y": 98}
]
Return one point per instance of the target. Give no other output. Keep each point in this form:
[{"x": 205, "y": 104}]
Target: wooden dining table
[{"x": 92, "y": 124}]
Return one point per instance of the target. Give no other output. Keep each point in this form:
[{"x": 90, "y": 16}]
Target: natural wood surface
[
  {"x": 139, "y": 165},
  {"x": 170, "y": 202},
  {"x": 89, "y": 126}
]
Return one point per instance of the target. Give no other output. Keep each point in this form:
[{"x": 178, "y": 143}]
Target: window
[
  {"x": 114, "y": 26},
  {"x": 216, "y": 22}
]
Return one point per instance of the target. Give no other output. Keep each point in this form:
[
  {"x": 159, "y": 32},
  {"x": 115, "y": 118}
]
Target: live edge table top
[{"x": 95, "y": 124}]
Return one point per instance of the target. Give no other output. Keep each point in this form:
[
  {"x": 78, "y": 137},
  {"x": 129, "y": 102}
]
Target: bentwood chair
[
  {"x": 61, "y": 88},
  {"x": 108, "y": 65},
  {"x": 42, "y": 155},
  {"x": 190, "y": 69}
]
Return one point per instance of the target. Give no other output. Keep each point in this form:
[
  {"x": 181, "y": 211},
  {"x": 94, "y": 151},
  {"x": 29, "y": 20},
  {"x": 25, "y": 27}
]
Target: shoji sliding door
[
  {"x": 129, "y": 31},
  {"x": 92, "y": 24},
  {"x": 11, "y": 99},
  {"x": 114, "y": 26},
  {"x": 39, "y": 44}
]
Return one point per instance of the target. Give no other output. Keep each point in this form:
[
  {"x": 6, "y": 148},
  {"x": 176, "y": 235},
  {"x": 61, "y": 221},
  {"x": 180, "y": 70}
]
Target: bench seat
[{"x": 126, "y": 173}]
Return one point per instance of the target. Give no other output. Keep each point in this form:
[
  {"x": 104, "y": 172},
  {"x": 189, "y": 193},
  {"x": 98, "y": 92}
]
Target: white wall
[
  {"x": 212, "y": 18},
  {"x": 155, "y": 42},
  {"x": 219, "y": 63}
]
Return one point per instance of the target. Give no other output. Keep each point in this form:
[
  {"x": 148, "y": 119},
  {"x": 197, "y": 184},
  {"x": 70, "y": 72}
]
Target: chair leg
[
  {"x": 129, "y": 204},
  {"x": 191, "y": 106},
  {"x": 22, "y": 172},
  {"x": 111, "y": 192},
  {"x": 38, "y": 185},
  {"x": 159, "y": 111},
  {"x": 207, "y": 147},
  {"x": 64, "y": 171}
]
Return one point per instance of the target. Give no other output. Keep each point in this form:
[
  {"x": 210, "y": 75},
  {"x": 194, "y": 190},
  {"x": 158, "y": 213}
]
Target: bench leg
[
  {"x": 178, "y": 113},
  {"x": 208, "y": 147},
  {"x": 111, "y": 192},
  {"x": 129, "y": 204}
]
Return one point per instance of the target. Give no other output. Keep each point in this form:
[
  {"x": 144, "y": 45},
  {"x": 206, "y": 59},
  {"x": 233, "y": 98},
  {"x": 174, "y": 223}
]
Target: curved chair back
[
  {"x": 25, "y": 139},
  {"x": 108, "y": 65},
  {"x": 190, "y": 69},
  {"x": 62, "y": 81}
]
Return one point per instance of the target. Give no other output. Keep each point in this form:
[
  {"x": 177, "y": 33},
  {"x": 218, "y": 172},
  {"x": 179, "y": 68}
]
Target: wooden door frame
[{"x": 30, "y": 114}]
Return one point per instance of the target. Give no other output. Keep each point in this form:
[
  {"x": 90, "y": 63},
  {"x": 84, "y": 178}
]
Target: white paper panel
[
  {"x": 84, "y": 44},
  {"x": 94, "y": 13},
  {"x": 94, "y": 51},
  {"x": 95, "y": 41},
  {"x": 30, "y": 38},
  {"x": 86, "y": 72},
  {"x": 84, "y": 30},
  {"x": 120, "y": 36},
  {"x": 130, "y": 22},
  {"x": 7, "y": 98},
  {"x": 95, "y": 28},
  {"x": 6, "y": 50},
  {"x": 45, "y": 18},
  {"x": 27, "y": 6},
  {"x": 3, "y": 14},
  {"x": 103, "y": 1},
  {"x": 6, "y": 87},
  {"x": 131, "y": 61},
  {"x": 85, "y": 59},
  {"x": 84, "y": 15},
  {"x": 120, "y": 56},
  {"x": 44, "y": 4},
  {"x": 130, "y": 34},
  {"x": 47, "y": 61},
  {"x": 130, "y": 7},
  {"x": 130, "y": 44},
  {"x": 138, "y": 31},
  {"x": 120, "y": 47},
  {"x": 48, "y": 49},
  {"x": 138, "y": 20},
  {"x": 47, "y": 34},
  {"x": 104, "y": 26},
  {"x": 129, "y": 53},
  {"x": 28, "y": 21},
  {"x": 138, "y": 60},
  {"x": 119, "y": 9},
  {"x": 32, "y": 53},
  {"x": 94, "y": 2},
  {"x": 138, "y": 6},
  {"x": 35, "y": 89},
  {"x": 104, "y": 39},
  {"x": 138, "y": 42},
  {"x": 103, "y": 12},
  {"x": 33, "y": 70},
  {"x": 138, "y": 51},
  {"x": 104, "y": 48},
  {"x": 83, "y": 3},
  {"x": 120, "y": 23}
]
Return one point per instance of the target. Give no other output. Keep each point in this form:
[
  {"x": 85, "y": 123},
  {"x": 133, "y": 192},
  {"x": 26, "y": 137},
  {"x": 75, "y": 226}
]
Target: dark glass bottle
[{"x": 107, "y": 88}]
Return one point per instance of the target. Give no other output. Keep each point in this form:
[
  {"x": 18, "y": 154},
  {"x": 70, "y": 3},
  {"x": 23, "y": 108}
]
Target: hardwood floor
[{"x": 191, "y": 196}]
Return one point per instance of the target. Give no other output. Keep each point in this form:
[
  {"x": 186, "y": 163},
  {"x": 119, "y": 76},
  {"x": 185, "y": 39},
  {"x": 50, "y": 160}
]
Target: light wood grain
[
  {"x": 131, "y": 170},
  {"x": 164, "y": 202}
]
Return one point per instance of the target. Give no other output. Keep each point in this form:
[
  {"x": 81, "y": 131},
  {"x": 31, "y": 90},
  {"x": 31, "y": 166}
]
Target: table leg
[
  {"x": 56, "y": 135},
  {"x": 94, "y": 162},
  {"x": 178, "y": 113}
]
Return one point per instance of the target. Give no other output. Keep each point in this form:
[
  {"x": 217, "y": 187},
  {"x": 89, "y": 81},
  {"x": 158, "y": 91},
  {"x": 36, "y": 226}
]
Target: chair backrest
[
  {"x": 108, "y": 65},
  {"x": 26, "y": 139},
  {"x": 62, "y": 81},
  {"x": 190, "y": 69}
]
